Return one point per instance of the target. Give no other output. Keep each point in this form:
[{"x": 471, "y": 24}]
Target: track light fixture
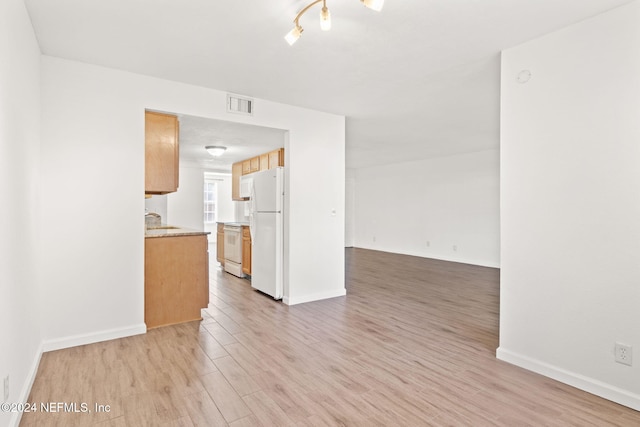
[{"x": 325, "y": 17}]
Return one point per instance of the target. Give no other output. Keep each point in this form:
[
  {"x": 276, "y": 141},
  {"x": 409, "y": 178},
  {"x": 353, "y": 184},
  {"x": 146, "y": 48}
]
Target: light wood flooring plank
[
  {"x": 411, "y": 344},
  {"x": 203, "y": 412},
  {"x": 237, "y": 377},
  {"x": 225, "y": 397},
  {"x": 266, "y": 410}
]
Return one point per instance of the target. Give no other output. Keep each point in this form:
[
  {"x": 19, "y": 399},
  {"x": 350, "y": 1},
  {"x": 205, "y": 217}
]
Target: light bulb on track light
[
  {"x": 293, "y": 35},
  {"x": 374, "y": 4},
  {"x": 325, "y": 19}
]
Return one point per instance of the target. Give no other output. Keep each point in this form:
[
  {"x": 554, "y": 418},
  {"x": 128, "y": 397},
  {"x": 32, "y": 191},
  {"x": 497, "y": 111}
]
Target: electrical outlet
[
  {"x": 374, "y": 238},
  {"x": 455, "y": 248},
  {"x": 623, "y": 354},
  {"x": 6, "y": 389},
  {"x": 428, "y": 243}
]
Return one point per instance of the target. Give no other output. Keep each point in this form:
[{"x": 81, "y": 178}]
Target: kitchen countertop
[
  {"x": 235, "y": 224},
  {"x": 172, "y": 231}
]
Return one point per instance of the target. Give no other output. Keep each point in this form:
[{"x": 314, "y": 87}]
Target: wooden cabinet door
[
  {"x": 276, "y": 158},
  {"x": 176, "y": 279},
  {"x": 161, "y": 153},
  {"x": 264, "y": 162},
  {"x": 246, "y": 250},
  {"x": 246, "y": 166},
  {"x": 236, "y": 173},
  {"x": 220, "y": 243},
  {"x": 255, "y": 164},
  {"x": 203, "y": 285}
]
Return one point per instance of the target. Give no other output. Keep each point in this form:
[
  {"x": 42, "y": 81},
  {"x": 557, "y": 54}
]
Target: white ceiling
[
  {"x": 242, "y": 141},
  {"x": 419, "y": 79}
]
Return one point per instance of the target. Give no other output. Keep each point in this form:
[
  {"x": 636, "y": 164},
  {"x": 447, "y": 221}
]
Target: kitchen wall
[
  {"x": 185, "y": 206},
  {"x": 571, "y": 203},
  {"x": 93, "y": 180},
  {"x": 157, "y": 204},
  {"x": 191, "y": 192},
  {"x": 445, "y": 208},
  {"x": 224, "y": 204},
  {"x": 20, "y": 211}
]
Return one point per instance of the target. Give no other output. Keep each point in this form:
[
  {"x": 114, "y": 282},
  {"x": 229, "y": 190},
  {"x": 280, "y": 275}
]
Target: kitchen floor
[{"x": 413, "y": 343}]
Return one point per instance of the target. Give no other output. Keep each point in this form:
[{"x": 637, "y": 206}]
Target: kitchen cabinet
[
  {"x": 220, "y": 243},
  {"x": 255, "y": 164},
  {"x": 246, "y": 250},
  {"x": 251, "y": 165},
  {"x": 176, "y": 279},
  {"x": 161, "y": 153},
  {"x": 246, "y": 166},
  {"x": 276, "y": 158},
  {"x": 236, "y": 173},
  {"x": 264, "y": 162}
]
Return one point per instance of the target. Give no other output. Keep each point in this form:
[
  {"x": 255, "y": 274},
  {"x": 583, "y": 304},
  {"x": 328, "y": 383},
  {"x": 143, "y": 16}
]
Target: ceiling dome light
[
  {"x": 374, "y": 4},
  {"x": 215, "y": 150}
]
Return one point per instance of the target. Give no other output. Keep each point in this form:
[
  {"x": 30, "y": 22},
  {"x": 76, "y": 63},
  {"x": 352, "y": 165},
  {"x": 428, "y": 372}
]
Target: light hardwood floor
[{"x": 412, "y": 344}]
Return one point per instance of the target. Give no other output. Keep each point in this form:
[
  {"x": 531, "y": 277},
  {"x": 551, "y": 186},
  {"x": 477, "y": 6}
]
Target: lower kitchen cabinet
[
  {"x": 246, "y": 250},
  {"x": 176, "y": 279},
  {"x": 220, "y": 243}
]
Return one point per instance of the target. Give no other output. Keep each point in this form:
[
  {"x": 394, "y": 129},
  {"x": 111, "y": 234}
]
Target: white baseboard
[
  {"x": 314, "y": 297},
  {"x": 26, "y": 387},
  {"x": 590, "y": 385},
  {"x": 76, "y": 340}
]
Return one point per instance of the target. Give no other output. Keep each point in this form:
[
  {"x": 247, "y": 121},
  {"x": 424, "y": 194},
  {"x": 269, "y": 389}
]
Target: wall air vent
[{"x": 239, "y": 105}]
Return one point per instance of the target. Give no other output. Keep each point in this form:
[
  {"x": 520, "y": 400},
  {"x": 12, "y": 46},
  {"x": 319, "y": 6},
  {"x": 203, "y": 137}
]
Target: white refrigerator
[{"x": 267, "y": 226}]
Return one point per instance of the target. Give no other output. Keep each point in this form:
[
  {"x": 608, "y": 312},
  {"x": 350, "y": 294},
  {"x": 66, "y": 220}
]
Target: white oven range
[{"x": 233, "y": 249}]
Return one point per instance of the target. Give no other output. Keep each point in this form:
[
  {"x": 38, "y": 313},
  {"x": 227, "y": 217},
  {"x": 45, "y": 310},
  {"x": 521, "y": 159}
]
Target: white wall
[
  {"x": 241, "y": 211},
  {"x": 190, "y": 192},
  {"x": 224, "y": 203},
  {"x": 92, "y": 194},
  {"x": 571, "y": 204},
  {"x": 157, "y": 204},
  {"x": 350, "y": 208},
  {"x": 185, "y": 206},
  {"x": 225, "y": 209},
  {"x": 427, "y": 207},
  {"x": 20, "y": 333},
  {"x": 93, "y": 134}
]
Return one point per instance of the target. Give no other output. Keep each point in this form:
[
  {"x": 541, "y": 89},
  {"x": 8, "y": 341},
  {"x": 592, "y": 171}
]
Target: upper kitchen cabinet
[
  {"x": 276, "y": 158},
  {"x": 161, "y": 153},
  {"x": 251, "y": 165},
  {"x": 255, "y": 164},
  {"x": 246, "y": 167},
  {"x": 264, "y": 162},
  {"x": 236, "y": 173}
]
